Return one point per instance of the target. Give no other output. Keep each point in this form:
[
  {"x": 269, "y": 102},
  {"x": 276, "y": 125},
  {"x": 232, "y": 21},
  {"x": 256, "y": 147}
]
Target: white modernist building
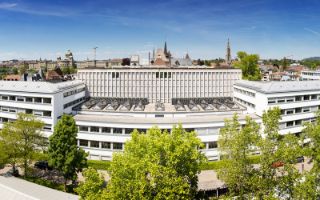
[
  {"x": 47, "y": 101},
  {"x": 160, "y": 84},
  {"x": 128, "y": 98},
  {"x": 310, "y": 75},
  {"x": 108, "y": 104},
  {"x": 298, "y": 101}
]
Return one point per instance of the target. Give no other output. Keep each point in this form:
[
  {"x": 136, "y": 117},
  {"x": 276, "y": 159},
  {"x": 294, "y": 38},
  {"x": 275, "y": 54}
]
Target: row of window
[
  {"x": 67, "y": 105},
  {"x": 293, "y": 99},
  {"x": 109, "y": 130},
  {"x": 119, "y": 146},
  {"x": 46, "y": 127},
  {"x": 69, "y": 93},
  {"x": 291, "y": 124},
  {"x": 299, "y": 110},
  {"x": 101, "y": 145},
  {"x": 243, "y": 102},
  {"x": 38, "y": 113},
  {"x": 26, "y": 99},
  {"x": 169, "y": 74},
  {"x": 245, "y": 92},
  {"x": 210, "y": 145}
]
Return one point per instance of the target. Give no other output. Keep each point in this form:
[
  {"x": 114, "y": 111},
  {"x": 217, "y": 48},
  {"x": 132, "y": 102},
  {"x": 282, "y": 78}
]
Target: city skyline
[{"x": 272, "y": 29}]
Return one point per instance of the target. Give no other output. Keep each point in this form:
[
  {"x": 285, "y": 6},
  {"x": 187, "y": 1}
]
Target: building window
[
  {"x": 83, "y": 128},
  {"x": 128, "y": 130},
  {"x": 306, "y": 97},
  {"x": 117, "y": 146},
  {"x": 281, "y": 100},
  {"x": 115, "y": 74},
  {"x": 314, "y": 97},
  {"x": 189, "y": 129},
  {"x": 21, "y": 99},
  {"x": 47, "y": 100},
  {"x": 12, "y": 110},
  {"x": 290, "y": 100},
  {"x": 37, "y": 113},
  {"x": 4, "y": 109},
  {"x": 28, "y": 99},
  {"x": 298, "y": 122},
  {"x": 94, "y": 144},
  {"x": 94, "y": 129},
  {"x": 83, "y": 143},
  {"x": 289, "y": 112},
  {"x": 289, "y": 124},
  {"x": 212, "y": 145},
  {"x": 12, "y": 98},
  {"x": 298, "y": 110},
  {"x": 47, "y": 127},
  {"x": 298, "y": 98},
  {"x": 117, "y": 130},
  {"x": 37, "y": 100},
  {"x": 106, "y": 145},
  {"x": 4, "y": 97},
  {"x": 106, "y": 130},
  {"x": 271, "y": 101},
  {"x": 47, "y": 113},
  {"x": 306, "y": 110}
]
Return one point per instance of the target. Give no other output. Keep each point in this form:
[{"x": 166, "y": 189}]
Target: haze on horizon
[{"x": 271, "y": 28}]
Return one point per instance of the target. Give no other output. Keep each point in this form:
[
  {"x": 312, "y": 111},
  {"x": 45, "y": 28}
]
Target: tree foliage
[
  {"x": 155, "y": 165},
  {"x": 235, "y": 144},
  {"x": 92, "y": 187},
  {"x": 22, "y": 139},
  {"x": 248, "y": 63},
  {"x": 64, "y": 154},
  {"x": 265, "y": 181}
]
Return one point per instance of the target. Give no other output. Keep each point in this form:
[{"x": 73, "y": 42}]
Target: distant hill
[{"x": 312, "y": 59}]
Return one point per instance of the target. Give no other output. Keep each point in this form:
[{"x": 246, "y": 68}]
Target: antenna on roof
[{"x": 94, "y": 55}]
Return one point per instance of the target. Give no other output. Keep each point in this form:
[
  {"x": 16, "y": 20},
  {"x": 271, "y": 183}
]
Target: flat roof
[
  {"x": 37, "y": 86},
  {"x": 18, "y": 189},
  {"x": 279, "y": 86}
]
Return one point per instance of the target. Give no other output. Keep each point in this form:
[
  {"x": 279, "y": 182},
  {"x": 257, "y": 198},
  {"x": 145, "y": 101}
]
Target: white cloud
[{"x": 7, "y": 5}]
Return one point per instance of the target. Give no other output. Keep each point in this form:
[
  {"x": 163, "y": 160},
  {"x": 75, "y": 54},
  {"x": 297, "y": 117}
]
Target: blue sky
[{"x": 119, "y": 28}]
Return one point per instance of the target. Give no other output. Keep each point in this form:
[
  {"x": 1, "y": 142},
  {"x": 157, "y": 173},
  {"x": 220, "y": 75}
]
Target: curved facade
[{"x": 128, "y": 98}]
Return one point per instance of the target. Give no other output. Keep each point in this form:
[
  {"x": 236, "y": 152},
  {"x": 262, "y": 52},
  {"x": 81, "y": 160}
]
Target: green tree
[
  {"x": 267, "y": 146},
  {"x": 92, "y": 187},
  {"x": 156, "y": 165},
  {"x": 311, "y": 133},
  {"x": 23, "y": 139},
  {"x": 63, "y": 152},
  {"x": 248, "y": 63},
  {"x": 236, "y": 146},
  {"x": 288, "y": 149}
]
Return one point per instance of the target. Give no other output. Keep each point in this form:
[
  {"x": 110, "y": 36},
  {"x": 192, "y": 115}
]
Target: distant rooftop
[
  {"x": 37, "y": 86},
  {"x": 280, "y": 86}
]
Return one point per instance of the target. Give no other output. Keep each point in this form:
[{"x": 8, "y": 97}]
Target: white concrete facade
[
  {"x": 298, "y": 101},
  {"x": 47, "y": 101},
  {"x": 159, "y": 84},
  {"x": 310, "y": 75}
]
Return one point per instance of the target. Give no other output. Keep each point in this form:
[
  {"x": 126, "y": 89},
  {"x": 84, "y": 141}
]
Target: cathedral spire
[
  {"x": 165, "y": 48},
  {"x": 228, "y": 54}
]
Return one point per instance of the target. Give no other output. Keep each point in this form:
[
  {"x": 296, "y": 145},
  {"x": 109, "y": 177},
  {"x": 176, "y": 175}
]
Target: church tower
[{"x": 228, "y": 54}]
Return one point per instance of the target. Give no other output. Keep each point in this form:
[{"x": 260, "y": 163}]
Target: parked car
[
  {"x": 300, "y": 159},
  {"x": 43, "y": 165}
]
